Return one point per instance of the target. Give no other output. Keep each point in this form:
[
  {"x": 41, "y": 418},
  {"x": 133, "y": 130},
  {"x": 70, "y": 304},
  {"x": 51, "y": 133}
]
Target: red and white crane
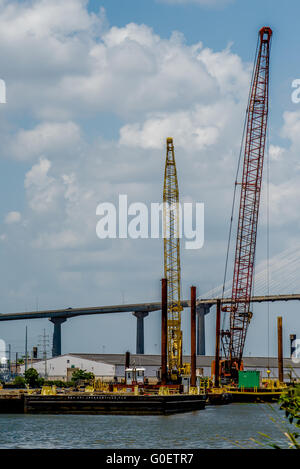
[{"x": 233, "y": 340}]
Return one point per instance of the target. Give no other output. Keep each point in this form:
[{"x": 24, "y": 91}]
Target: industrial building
[
  {"x": 113, "y": 365},
  {"x": 62, "y": 367}
]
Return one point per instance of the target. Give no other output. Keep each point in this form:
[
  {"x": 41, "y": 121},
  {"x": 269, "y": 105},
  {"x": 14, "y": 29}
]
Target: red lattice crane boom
[{"x": 255, "y": 139}]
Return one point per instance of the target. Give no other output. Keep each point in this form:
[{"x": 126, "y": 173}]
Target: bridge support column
[
  {"x": 140, "y": 346},
  {"x": 202, "y": 310},
  {"x": 56, "y": 344}
]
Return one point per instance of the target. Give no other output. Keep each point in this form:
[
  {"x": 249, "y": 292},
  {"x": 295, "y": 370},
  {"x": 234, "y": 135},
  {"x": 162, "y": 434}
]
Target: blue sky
[{"x": 93, "y": 89}]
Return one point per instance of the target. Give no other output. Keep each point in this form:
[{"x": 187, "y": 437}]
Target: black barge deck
[{"x": 113, "y": 404}]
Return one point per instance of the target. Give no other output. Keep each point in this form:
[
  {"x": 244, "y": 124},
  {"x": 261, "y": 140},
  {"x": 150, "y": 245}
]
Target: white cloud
[
  {"x": 188, "y": 127},
  {"x": 202, "y": 124},
  {"x": 45, "y": 138},
  {"x": 42, "y": 41},
  {"x": 41, "y": 18},
  {"x": 276, "y": 152},
  {"x": 227, "y": 68},
  {"x": 12, "y": 217},
  {"x": 65, "y": 239},
  {"x": 63, "y": 61},
  {"x": 284, "y": 199},
  {"x": 42, "y": 189},
  {"x": 134, "y": 70},
  {"x": 56, "y": 66},
  {"x": 132, "y": 32},
  {"x": 284, "y": 188},
  {"x": 291, "y": 127}
]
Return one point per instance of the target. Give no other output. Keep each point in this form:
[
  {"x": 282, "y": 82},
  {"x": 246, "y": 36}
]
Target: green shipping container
[{"x": 249, "y": 379}]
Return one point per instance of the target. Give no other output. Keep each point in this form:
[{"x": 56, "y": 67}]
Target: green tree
[
  {"x": 19, "y": 382},
  {"x": 82, "y": 375},
  {"x": 290, "y": 403},
  {"x": 32, "y": 378}
]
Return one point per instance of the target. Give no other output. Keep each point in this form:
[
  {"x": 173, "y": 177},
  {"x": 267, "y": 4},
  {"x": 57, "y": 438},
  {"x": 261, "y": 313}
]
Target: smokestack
[
  {"x": 127, "y": 359},
  {"x": 193, "y": 336},
  {"x": 280, "y": 353},
  {"x": 217, "y": 354},
  {"x": 164, "y": 329},
  {"x": 293, "y": 344}
]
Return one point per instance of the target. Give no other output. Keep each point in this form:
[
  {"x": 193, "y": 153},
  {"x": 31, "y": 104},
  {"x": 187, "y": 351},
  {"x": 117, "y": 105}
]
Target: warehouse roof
[{"x": 155, "y": 360}]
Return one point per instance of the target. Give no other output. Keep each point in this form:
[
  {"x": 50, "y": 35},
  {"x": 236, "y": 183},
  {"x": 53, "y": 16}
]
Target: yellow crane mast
[{"x": 171, "y": 221}]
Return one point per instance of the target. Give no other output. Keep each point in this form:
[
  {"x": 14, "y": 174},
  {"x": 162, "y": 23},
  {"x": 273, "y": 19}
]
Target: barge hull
[
  {"x": 12, "y": 405},
  {"x": 113, "y": 405},
  {"x": 255, "y": 397}
]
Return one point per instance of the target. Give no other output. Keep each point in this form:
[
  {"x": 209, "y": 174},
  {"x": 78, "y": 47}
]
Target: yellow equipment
[
  {"x": 163, "y": 391},
  {"x": 89, "y": 389},
  {"x": 100, "y": 386},
  {"x": 48, "y": 391},
  {"x": 193, "y": 390},
  {"x": 268, "y": 383},
  {"x": 171, "y": 218}
]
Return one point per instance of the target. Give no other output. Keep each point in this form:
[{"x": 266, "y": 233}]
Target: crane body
[
  {"x": 233, "y": 340},
  {"x": 172, "y": 270}
]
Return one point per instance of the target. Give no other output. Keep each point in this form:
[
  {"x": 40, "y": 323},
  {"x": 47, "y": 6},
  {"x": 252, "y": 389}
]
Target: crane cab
[
  {"x": 229, "y": 371},
  {"x": 134, "y": 376}
]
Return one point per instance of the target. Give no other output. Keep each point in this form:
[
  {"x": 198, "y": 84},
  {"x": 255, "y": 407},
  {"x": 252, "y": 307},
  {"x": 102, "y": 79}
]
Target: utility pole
[
  {"x": 280, "y": 351},
  {"x": 26, "y": 362},
  {"x": 9, "y": 360},
  {"x": 164, "y": 330},
  {"x": 193, "y": 336},
  {"x": 217, "y": 353}
]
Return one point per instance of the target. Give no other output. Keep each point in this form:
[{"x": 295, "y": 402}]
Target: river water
[{"x": 228, "y": 426}]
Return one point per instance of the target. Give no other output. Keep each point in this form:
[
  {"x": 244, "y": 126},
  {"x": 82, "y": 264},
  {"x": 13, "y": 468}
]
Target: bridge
[{"x": 140, "y": 311}]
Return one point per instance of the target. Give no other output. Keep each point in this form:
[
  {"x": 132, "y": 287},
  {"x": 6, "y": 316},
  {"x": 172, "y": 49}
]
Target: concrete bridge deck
[{"x": 139, "y": 310}]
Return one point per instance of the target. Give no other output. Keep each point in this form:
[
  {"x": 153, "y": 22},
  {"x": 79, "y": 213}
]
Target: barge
[
  {"x": 113, "y": 404},
  {"x": 256, "y": 396},
  {"x": 11, "y": 403}
]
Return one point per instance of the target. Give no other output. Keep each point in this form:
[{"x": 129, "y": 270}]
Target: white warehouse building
[{"x": 62, "y": 367}]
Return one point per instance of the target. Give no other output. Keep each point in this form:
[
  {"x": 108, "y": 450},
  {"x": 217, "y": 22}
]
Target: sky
[{"x": 93, "y": 90}]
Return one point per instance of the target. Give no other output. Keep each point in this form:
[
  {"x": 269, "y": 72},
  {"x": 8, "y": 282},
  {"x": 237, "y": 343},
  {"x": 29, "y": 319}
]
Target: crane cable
[
  {"x": 268, "y": 248},
  {"x": 268, "y": 229}
]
